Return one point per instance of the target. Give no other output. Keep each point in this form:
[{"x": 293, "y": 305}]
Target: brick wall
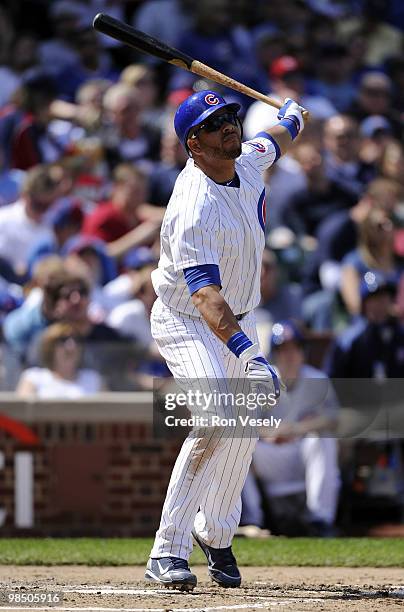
[{"x": 98, "y": 469}]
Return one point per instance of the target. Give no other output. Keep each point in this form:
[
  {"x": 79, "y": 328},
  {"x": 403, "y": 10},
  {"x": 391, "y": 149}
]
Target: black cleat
[
  {"x": 222, "y": 565},
  {"x": 171, "y": 572}
]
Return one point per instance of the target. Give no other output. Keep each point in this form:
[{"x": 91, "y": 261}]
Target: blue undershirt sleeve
[{"x": 197, "y": 277}]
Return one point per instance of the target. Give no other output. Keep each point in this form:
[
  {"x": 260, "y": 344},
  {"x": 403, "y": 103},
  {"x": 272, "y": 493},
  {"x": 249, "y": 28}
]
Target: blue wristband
[
  {"x": 238, "y": 343},
  {"x": 291, "y": 125}
]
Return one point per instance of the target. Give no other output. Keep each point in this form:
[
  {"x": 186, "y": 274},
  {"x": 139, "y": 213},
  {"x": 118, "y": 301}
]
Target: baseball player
[{"x": 208, "y": 285}]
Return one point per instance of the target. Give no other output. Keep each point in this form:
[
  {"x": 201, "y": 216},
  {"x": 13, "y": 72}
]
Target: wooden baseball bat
[{"x": 147, "y": 44}]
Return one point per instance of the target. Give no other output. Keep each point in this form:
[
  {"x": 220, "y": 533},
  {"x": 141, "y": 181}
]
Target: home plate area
[{"x": 289, "y": 588}]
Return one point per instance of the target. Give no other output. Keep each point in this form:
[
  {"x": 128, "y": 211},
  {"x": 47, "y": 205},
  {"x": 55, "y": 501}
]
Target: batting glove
[
  {"x": 291, "y": 115},
  {"x": 260, "y": 372}
]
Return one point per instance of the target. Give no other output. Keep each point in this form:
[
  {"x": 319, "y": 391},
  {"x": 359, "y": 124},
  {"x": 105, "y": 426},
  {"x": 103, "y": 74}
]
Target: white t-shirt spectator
[
  {"x": 261, "y": 116},
  {"x": 19, "y": 233},
  {"x": 47, "y": 385},
  {"x": 131, "y": 319}
]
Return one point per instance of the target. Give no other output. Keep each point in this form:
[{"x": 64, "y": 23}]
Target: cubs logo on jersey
[
  {"x": 262, "y": 210},
  {"x": 258, "y": 146},
  {"x": 211, "y": 99}
]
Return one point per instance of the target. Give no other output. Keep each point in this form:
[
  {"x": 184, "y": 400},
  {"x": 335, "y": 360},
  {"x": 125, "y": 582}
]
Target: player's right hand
[
  {"x": 260, "y": 372},
  {"x": 292, "y": 110}
]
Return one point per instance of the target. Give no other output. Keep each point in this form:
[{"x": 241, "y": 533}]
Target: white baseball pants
[{"x": 204, "y": 491}]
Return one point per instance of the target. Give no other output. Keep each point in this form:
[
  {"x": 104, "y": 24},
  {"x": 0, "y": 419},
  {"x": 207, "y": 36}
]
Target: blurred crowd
[{"x": 89, "y": 157}]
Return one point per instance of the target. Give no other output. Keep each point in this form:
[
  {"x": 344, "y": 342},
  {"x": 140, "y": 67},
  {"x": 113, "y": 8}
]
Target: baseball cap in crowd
[
  {"x": 285, "y": 331},
  {"x": 374, "y": 125},
  {"x": 137, "y": 258},
  {"x": 284, "y": 65},
  {"x": 65, "y": 211},
  {"x": 38, "y": 79},
  {"x": 374, "y": 282}
]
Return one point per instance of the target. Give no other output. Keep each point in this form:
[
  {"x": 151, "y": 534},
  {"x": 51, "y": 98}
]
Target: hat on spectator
[
  {"x": 376, "y": 80},
  {"x": 66, "y": 211},
  {"x": 374, "y": 282},
  {"x": 137, "y": 258},
  {"x": 286, "y": 64},
  {"x": 374, "y": 125},
  {"x": 285, "y": 331},
  {"x": 80, "y": 243}
]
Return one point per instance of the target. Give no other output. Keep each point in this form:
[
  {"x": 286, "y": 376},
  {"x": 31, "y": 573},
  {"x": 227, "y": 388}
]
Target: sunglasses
[
  {"x": 64, "y": 339},
  {"x": 213, "y": 124},
  {"x": 65, "y": 293}
]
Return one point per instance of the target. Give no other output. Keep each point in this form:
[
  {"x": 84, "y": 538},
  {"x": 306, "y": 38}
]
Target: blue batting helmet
[
  {"x": 198, "y": 107},
  {"x": 285, "y": 331}
]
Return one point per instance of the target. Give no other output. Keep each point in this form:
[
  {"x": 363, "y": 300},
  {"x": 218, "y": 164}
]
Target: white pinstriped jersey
[{"x": 208, "y": 223}]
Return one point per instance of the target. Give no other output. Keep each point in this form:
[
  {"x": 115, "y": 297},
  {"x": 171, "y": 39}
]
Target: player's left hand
[
  {"x": 260, "y": 372},
  {"x": 292, "y": 110}
]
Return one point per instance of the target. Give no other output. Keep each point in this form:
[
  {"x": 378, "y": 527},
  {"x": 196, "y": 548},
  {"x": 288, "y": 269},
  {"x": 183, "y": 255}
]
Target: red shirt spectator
[
  {"x": 126, "y": 221},
  {"x": 106, "y": 222}
]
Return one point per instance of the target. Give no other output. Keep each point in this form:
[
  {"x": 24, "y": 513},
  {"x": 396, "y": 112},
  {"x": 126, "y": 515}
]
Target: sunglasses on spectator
[
  {"x": 66, "y": 292},
  {"x": 213, "y": 124},
  {"x": 64, "y": 339}
]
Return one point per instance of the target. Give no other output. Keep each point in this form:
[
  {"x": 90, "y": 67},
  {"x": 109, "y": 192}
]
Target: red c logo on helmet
[{"x": 211, "y": 99}]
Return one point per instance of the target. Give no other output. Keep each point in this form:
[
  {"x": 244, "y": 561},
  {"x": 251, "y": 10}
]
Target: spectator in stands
[
  {"x": 143, "y": 81},
  {"x": 333, "y": 75},
  {"x": 341, "y": 155},
  {"x": 376, "y": 133},
  {"x": 58, "y": 52},
  {"x": 374, "y": 97},
  {"x": 25, "y": 139},
  {"x": 65, "y": 298},
  {"x": 21, "y": 223},
  {"x": 381, "y": 39},
  {"x": 373, "y": 345},
  {"x": 90, "y": 254},
  {"x": 65, "y": 218},
  {"x": 165, "y": 20},
  {"x": 23, "y": 55},
  {"x": 92, "y": 63},
  {"x": 338, "y": 235},
  {"x": 126, "y": 140},
  {"x": 131, "y": 318},
  {"x": 375, "y": 252},
  {"x": 296, "y": 464},
  {"x": 322, "y": 197},
  {"x": 279, "y": 298},
  {"x": 286, "y": 80},
  {"x": 164, "y": 174},
  {"x": 217, "y": 41},
  {"x": 392, "y": 162},
  {"x": 61, "y": 376},
  {"x": 11, "y": 181},
  {"x": 126, "y": 221},
  {"x": 283, "y": 180}
]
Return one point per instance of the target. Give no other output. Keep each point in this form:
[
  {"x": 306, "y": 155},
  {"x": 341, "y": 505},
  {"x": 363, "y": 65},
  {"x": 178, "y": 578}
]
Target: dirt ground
[{"x": 288, "y": 588}]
